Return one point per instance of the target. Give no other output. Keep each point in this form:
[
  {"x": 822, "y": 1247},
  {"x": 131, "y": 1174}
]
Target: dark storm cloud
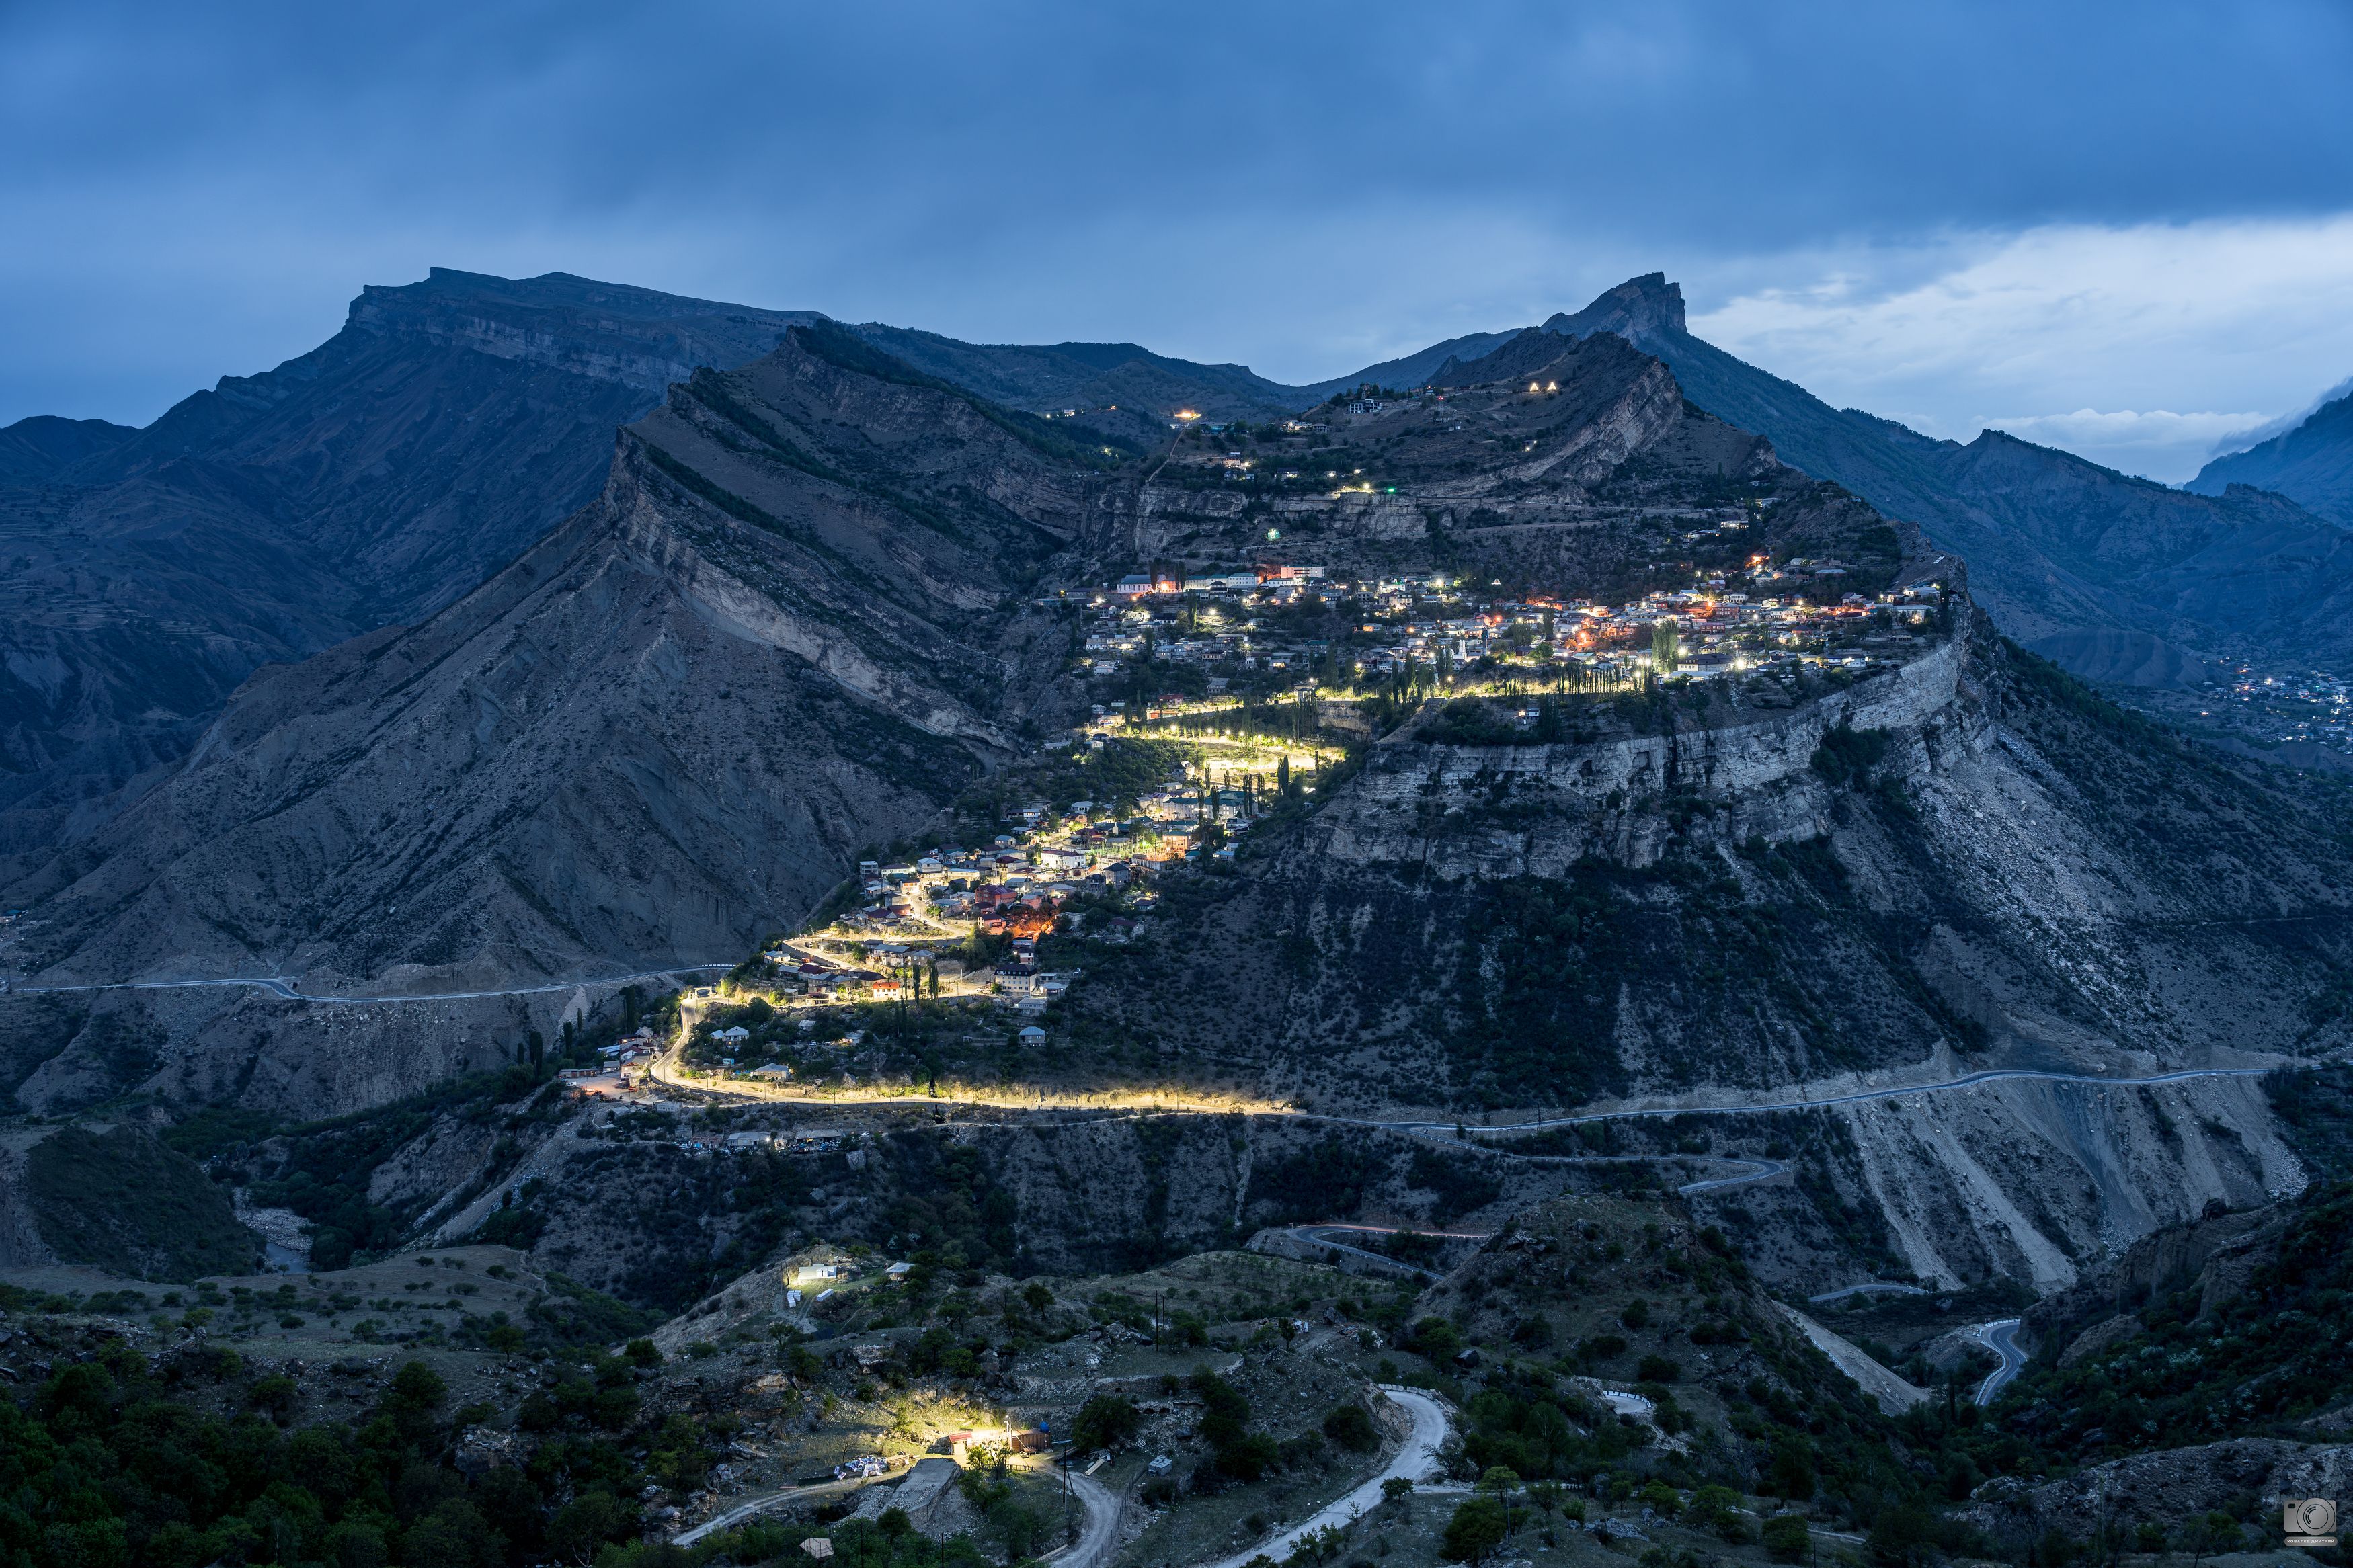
[{"x": 199, "y": 189}]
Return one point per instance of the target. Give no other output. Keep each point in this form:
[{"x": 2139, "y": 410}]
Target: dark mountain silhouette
[
  {"x": 1041, "y": 379},
  {"x": 372, "y": 481},
  {"x": 447, "y": 425},
  {"x": 452, "y": 422},
  {"x": 1415, "y": 369},
  {"x": 41, "y": 448},
  {"x": 778, "y": 634},
  {"x": 2311, "y": 464}
]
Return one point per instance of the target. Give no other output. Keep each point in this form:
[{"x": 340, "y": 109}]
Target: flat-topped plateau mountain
[
  {"x": 827, "y": 595},
  {"x": 791, "y": 625},
  {"x": 451, "y": 422},
  {"x": 369, "y": 483},
  {"x": 445, "y": 427},
  {"x": 960, "y": 886}
]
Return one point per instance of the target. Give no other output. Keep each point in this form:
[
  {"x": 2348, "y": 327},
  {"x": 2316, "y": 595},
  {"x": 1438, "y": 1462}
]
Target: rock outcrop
[
  {"x": 665, "y": 731},
  {"x": 2217, "y": 1252},
  {"x": 2170, "y": 1488},
  {"x": 445, "y": 427}
]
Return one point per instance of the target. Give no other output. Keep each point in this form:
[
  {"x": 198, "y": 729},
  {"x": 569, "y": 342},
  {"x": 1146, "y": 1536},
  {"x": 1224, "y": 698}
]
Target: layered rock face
[
  {"x": 808, "y": 606},
  {"x": 448, "y": 425},
  {"x": 2034, "y": 1181},
  {"x": 663, "y": 732},
  {"x": 1947, "y": 869},
  {"x": 1601, "y": 798}
]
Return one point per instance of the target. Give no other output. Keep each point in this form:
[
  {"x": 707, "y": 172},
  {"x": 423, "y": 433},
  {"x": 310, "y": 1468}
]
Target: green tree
[
  {"x": 1106, "y": 1421},
  {"x": 584, "y": 1524},
  {"x": 356, "y": 1543},
  {"x": 454, "y": 1535},
  {"x": 2218, "y": 1531},
  {"x": 1351, "y": 1427},
  {"x": 1476, "y": 1529},
  {"x": 1903, "y": 1536},
  {"x": 1787, "y": 1537},
  {"x": 1715, "y": 1508},
  {"x": 1791, "y": 1473}
]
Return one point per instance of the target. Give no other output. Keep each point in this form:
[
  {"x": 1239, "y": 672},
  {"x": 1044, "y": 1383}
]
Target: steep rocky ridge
[
  {"x": 448, "y": 424},
  {"x": 2015, "y": 879},
  {"x": 2311, "y": 464},
  {"x": 1962, "y": 864},
  {"x": 2118, "y": 578},
  {"x": 802, "y": 614},
  {"x": 370, "y": 482},
  {"x": 1043, "y": 378},
  {"x": 664, "y": 731},
  {"x": 1578, "y": 481}
]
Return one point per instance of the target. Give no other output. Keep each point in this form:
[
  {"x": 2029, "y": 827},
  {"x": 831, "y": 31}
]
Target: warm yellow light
[{"x": 1186, "y": 414}]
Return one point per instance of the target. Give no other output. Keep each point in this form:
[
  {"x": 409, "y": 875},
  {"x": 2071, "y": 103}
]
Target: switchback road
[
  {"x": 288, "y": 988},
  {"x": 767, "y": 1500},
  {"x": 2001, "y": 1338},
  {"x": 665, "y": 1071},
  {"x": 1871, "y": 1288},
  {"x": 1329, "y": 1236},
  {"x": 1417, "y": 1461},
  {"x": 1747, "y": 1169}
]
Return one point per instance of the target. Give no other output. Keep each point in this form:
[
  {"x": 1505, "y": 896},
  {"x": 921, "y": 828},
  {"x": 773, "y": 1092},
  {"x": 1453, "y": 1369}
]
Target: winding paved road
[
  {"x": 766, "y": 1500},
  {"x": 2001, "y": 1338},
  {"x": 288, "y": 988},
  {"x": 1871, "y": 1288},
  {"x": 1321, "y": 1236},
  {"x": 1758, "y": 1170},
  {"x": 1099, "y": 1534},
  {"x": 1416, "y": 1460},
  {"x": 1991, "y": 1075}
]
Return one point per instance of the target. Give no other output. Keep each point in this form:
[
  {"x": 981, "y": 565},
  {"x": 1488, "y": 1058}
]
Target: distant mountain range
[
  {"x": 780, "y": 632},
  {"x": 2118, "y": 579},
  {"x": 453, "y": 422},
  {"x": 2311, "y": 463},
  {"x": 450, "y": 425}
]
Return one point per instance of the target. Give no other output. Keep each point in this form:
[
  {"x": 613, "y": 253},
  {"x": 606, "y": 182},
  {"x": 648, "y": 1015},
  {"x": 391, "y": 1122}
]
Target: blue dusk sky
[{"x": 2124, "y": 229}]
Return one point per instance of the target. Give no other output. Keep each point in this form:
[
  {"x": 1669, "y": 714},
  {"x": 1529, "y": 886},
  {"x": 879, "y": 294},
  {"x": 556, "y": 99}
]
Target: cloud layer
[
  {"x": 1873, "y": 199},
  {"x": 2085, "y": 337}
]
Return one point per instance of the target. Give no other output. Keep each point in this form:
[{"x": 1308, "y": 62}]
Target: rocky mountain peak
[
  {"x": 605, "y": 331},
  {"x": 1638, "y": 308}
]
